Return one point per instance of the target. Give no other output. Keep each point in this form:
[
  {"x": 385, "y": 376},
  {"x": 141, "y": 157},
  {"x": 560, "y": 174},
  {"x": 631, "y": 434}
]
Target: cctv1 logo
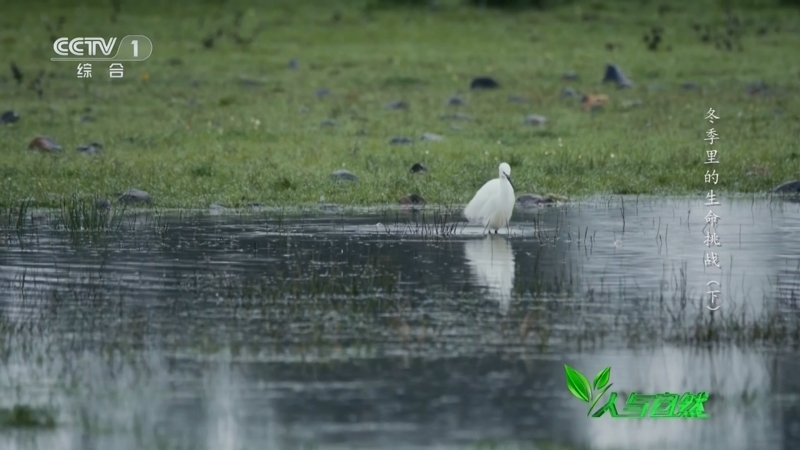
[{"x": 134, "y": 47}]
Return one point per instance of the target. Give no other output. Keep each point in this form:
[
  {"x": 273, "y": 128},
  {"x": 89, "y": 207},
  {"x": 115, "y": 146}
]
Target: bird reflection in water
[{"x": 491, "y": 263}]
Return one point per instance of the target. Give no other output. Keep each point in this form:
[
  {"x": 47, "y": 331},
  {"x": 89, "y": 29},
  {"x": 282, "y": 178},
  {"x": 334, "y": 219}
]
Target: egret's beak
[{"x": 509, "y": 180}]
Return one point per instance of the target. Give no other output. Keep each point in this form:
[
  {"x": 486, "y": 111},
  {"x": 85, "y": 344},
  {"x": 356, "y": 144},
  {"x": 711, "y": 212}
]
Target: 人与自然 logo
[{"x": 666, "y": 405}]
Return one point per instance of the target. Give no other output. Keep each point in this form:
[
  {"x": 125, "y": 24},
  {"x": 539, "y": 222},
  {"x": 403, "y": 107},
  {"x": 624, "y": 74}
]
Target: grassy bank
[{"x": 222, "y": 117}]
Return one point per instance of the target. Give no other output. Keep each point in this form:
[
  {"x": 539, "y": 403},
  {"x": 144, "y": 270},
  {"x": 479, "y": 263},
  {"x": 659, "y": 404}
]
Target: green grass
[{"x": 185, "y": 128}]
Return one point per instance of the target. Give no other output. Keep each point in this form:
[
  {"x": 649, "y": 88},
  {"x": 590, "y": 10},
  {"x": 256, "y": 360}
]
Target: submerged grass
[
  {"x": 222, "y": 117},
  {"x": 80, "y": 215},
  {"x": 315, "y": 301},
  {"x": 24, "y": 416},
  {"x": 13, "y": 215}
]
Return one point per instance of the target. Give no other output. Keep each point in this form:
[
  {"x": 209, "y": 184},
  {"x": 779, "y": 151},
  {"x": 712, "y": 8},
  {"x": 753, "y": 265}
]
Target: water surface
[{"x": 337, "y": 330}]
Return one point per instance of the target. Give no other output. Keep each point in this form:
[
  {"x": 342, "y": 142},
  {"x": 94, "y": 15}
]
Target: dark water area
[{"x": 372, "y": 329}]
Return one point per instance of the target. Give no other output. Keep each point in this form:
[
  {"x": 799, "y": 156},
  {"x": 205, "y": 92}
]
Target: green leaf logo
[
  {"x": 578, "y": 384},
  {"x": 601, "y": 379}
]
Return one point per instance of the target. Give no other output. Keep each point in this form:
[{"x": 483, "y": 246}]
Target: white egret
[{"x": 494, "y": 202}]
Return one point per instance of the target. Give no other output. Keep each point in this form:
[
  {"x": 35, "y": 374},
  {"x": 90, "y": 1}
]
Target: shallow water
[{"x": 336, "y": 330}]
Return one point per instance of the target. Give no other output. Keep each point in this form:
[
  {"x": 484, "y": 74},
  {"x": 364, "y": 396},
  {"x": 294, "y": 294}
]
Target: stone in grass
[
  {"x": 533, "y": 201},
  {"x": 328, "y": 123},
  {"x": 134, "y": 196},
  {"x": 400, "y": 140},
  {"x": 568, "y": 92},
  {"x": 431, "y": 137},
  {"x": 91, "y": 148},
  {"x": 419, "y": 168},
  {"x": 44, "y": 144},
  {"x": 343, "y": 175},
  {"x": 517, "y": 99},
  {"x": 9, "y": 117},
  {"x": 614, "y": 75},
  {"x": 102, "y": 203},
  {"x": 535, "y": 119},
  {"x": 412, "y": 199},
  {"x": 396, "y": 104},
  {"x": 790, "y": 187},
  {"x": 216, "y": 209},
  {"x": 455, "y": 101},
  {"x": 293, "y": 64},
  {"x": 322, "y": 92},
  {"x": 484, "y": 83}
]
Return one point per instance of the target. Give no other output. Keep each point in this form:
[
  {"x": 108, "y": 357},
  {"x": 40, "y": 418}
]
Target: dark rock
[
  {"x": 293, "y": 64},
  {"x": 134, "y": 196},
  {"x": 484, "y": 83},
  {"x": 396, "y": 104},
  {"x": 790, "y": 187},
  {"x": 614, "y": 75},
  {"x": 533, "y": 200},
  {"x": 412, "y": 199},
  {"x": 328, "y": 123},
  {"x": 400, "y": 140},
  {"x": 568, "y": 92},
  {"x": 455, "y": 101},
  {"x": 343, "y": 175},
  {"x": 9, "y": 117},
  {"x": 419, "y": 168},
  {"x": 103, "y": 203},
  {"x": 322, "y": 92},
  {"x": 44, "y": 144},
  {"x": 86, "y": 119},
  {"x": 91, "y": 148},
  {"x": 689, "y": 86}
]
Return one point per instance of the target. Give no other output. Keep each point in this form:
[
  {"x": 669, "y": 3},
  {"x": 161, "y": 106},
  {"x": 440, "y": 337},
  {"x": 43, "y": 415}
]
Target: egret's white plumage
[{"x": 494, "y": 202}]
